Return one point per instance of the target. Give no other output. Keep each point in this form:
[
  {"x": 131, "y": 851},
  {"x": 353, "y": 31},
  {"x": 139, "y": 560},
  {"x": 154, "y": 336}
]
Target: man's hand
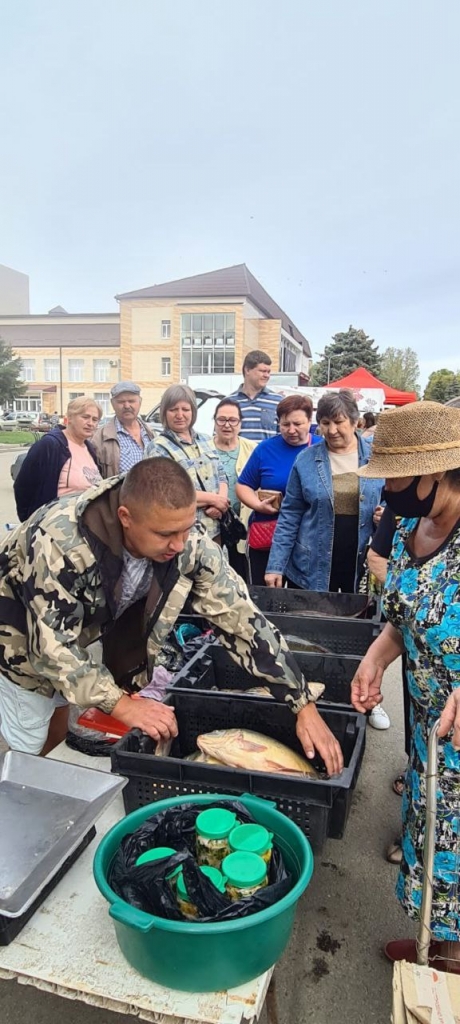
[
  {"x": 273, "y": 579},
  {"x": 378, "y": 513},
  {"x": 156, "y": 719},
  {"x": 366, "y": 683},
  {"x": 314, "y": 734},
  {"x": 450, "y": 719}
]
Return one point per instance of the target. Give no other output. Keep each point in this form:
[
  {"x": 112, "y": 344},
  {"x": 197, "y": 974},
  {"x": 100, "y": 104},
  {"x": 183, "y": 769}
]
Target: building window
[
  {"x": 29, "y": 404},
  {"x": 103, "y": 399},
  {"x": 76, "y": 367},
  {"x": 165, "y": 328},
  {"x": 75, "y": 394},
  {"x": 207, "y": 343},
  {"x": 51, "y": 370},
  {"x": 28, "y": 370},
  {"x": 290, "y": 356},
  {"x": 165, "y": 367},
  {"x": 101, "y": 371}
]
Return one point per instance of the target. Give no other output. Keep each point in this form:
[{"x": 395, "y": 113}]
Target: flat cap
[{"x": 125, "y": 385}]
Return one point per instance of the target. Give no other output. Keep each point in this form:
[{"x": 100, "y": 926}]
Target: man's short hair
[
  {"x": 254, "y": 358},
  {"x": 157, "y": 481}
]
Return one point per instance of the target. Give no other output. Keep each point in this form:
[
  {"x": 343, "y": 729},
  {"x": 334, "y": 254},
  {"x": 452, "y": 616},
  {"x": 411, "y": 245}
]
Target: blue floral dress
[{"x": 422, "y": 600}]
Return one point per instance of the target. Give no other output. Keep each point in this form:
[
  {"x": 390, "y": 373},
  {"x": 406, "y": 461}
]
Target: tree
[
  {"x": 442, "y": 386},
  {"x": 400, "y": 369},
  {"x": 11, "y": 385},
  {"x": 349, "y": 350}
]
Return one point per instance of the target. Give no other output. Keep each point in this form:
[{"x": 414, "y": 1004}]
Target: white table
[{"x": 69, "y": 947}]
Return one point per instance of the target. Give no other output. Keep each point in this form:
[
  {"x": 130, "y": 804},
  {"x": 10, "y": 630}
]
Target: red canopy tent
[{"x": 361, "y": 378}]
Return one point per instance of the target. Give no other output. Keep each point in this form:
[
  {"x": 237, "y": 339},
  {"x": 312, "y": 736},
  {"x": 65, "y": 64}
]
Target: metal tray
[{"x": 46, "y": 808}]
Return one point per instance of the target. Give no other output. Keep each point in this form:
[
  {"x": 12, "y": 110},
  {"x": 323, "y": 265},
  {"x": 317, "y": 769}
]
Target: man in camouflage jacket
[{"x": 62, "y": 586}]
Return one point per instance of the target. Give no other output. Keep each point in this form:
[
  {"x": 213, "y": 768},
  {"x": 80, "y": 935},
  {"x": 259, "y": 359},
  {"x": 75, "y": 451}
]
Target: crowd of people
[{"x": 138, "y": 531}]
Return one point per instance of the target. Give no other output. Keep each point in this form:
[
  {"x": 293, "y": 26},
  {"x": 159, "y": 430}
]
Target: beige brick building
[
  {"x": 64, "y": 355},
  {"x": 203, "y": 325},
  {"x": 198, "y": 325}
]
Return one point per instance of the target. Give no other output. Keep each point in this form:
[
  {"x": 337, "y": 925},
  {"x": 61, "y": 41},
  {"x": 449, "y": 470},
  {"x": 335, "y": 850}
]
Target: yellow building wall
[{"x": 51, "y": 400}]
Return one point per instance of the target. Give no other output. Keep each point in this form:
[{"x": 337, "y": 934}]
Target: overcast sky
[{"x": 317, "y": 141}]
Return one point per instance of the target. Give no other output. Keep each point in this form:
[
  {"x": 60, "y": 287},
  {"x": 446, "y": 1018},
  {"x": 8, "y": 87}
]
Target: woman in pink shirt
[{"x": 62, "y": 461}]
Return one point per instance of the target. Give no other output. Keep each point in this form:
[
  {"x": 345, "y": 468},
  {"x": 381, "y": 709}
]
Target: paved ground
[{"x": 334, "y": 971}]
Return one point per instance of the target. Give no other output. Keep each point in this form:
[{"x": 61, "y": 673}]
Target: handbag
[
  {"x": 232, "y": 530},
  {"x": 260, "y": 536}
]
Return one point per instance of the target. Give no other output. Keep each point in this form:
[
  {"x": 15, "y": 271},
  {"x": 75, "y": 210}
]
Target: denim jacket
[{"x": 302, "y": 544}]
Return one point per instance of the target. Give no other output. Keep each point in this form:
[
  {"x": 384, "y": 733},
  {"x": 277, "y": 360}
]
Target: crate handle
[{"x": 131, "y": 916}]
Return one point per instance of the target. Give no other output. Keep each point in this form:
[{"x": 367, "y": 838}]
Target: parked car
[
  {"x": 41, "y": 423},
  {"x": 25, "y": 420},
  {"x": 9, "y": 422}
]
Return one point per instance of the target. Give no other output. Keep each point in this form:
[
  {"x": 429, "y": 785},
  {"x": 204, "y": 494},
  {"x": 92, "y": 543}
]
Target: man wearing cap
[{"x": 121, "y": 442}]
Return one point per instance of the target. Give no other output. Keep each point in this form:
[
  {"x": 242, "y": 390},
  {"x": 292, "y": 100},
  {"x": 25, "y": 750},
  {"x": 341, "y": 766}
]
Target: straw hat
[{"x": 415, "y": 440}]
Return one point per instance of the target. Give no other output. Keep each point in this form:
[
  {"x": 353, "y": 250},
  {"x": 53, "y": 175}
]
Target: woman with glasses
[
  {"x": 234, "y": 452},
  {"x": 262, "y": 484}
]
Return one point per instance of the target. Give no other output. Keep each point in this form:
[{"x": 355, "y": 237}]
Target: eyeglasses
[{"x": 222, "y": 420}]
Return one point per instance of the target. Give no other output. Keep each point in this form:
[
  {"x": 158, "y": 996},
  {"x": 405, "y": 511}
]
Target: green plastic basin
[{"x": 206, "y": 957}]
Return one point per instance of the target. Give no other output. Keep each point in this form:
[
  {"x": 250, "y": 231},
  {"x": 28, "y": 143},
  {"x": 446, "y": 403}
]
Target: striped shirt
[
  {"x": 130, "y": 451},
  {"x": 259, "y": 420},
  {"x": 136, "y": 580}
]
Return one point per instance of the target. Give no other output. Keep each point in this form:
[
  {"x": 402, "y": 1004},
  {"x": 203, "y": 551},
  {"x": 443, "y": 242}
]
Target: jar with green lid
[
  {"x": 213, "y": 828},
  {"x": 188, "y": 908},
  {"x": 245, "y": 873},
  {"x": 158, "y": 853},
  {"x": 252, "y": 839}
]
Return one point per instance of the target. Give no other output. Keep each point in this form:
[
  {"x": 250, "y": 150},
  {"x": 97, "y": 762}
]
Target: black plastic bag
[
  {"x": 232, "y": 529},
  {"x": 147, "y": 888}
]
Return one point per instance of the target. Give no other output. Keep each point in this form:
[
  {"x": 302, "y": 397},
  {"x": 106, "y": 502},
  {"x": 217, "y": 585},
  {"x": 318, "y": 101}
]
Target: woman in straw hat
[{"x": 417, "y": 450}]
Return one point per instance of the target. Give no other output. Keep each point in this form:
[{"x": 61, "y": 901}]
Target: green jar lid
[
  {"x": 215, "y": 823},
  {"x": 244, "y": 869},
  {"x": 158, "y": 853},
  {"x": 214, "y": 875},
  {"x": 250, "y": 839}
]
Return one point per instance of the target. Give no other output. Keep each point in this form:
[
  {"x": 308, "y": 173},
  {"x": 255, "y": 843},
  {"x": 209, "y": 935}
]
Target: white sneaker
[{"x": 378, "y": 718}]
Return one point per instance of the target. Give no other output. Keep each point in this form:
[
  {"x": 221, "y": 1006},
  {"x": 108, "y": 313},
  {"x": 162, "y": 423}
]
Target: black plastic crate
[
  {"x": 330, "y": 635},
  {"x": 10, "y": 927},
  {"x": 287, "y": 601},
  {"x": 212, "y": 669},
  {"x": 319, "y": 806}
]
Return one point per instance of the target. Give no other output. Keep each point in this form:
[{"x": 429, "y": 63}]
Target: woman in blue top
[
  {"x": 326, "y": 518},
  {"x": 268, "y": 469}
]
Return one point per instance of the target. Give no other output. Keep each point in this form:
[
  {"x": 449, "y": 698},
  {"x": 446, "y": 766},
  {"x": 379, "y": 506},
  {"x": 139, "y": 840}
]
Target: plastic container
[
  {"x": 185, "y": 905},
  {"x": 319, "y": 807},
  {"x": 212, "y": 668},
  {"x": 251, "y": 839},
  {"x": 206, "y": 957},
  {"x": 10, "y": 927},
  {"x": 245, "y": 874},
  {"x": 158, "y": 853},
  {"x": 287, "y": 601},
  {"x": 334, "y": 634},
  {"x": 213, "y": 828}
]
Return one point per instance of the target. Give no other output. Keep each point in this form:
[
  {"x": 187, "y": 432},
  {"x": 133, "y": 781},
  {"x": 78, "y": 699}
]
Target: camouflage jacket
[{"x": 60, "y": 582}]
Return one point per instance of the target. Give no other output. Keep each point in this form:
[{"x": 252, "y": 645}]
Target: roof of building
[
  {"x": 228, "y": 282},
  {"x": 33, "y": 334}
]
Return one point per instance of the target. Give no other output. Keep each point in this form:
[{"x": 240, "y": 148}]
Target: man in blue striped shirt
[{"x": 258, "y": 405}]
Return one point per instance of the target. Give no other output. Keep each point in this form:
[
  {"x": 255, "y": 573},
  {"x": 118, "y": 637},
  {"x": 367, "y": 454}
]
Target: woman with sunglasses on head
[{"x": 234, "y": 452}]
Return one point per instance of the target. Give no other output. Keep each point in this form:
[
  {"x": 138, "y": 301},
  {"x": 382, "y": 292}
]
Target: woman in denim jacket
[{"x": 326, "y": 517}]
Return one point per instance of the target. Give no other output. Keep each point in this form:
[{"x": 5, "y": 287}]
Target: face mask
[{"x": 406, "y": 503}]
